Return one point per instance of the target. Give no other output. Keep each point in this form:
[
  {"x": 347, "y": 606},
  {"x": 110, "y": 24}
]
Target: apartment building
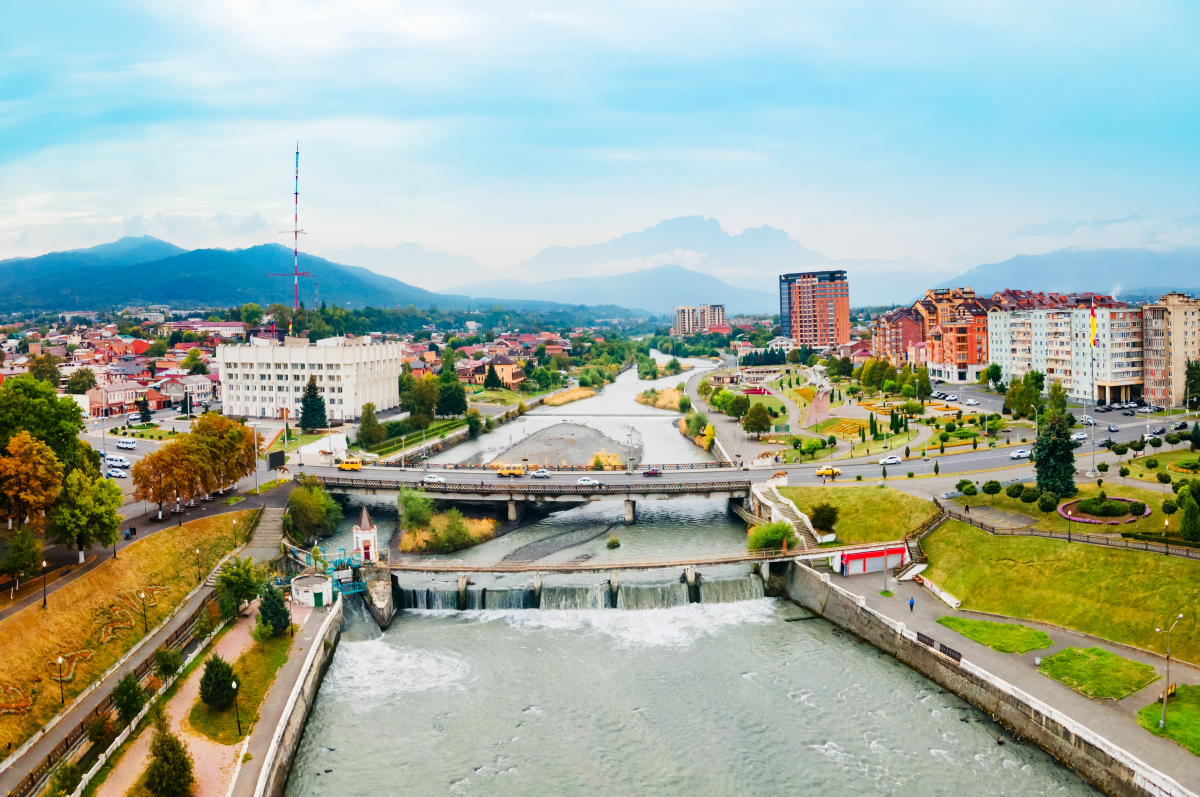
[
  {"x": 711, "y": 315},
  {"x": 894, "y": 333},
  {"x": 265, "y": 379},
  {"x": 957, "y": 349},
  {"x": 937, "y": 307},
  {"x": 1172, "y": 329},
  {"x": 814, "y": 308},
  {"x": 685, "y": 320}
]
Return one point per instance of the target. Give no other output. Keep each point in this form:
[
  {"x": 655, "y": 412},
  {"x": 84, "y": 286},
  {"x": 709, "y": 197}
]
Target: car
[
  {"x": 129, "y": 445},
  {"x": 1086, "y": 421},
  {"x": 1158, "y": 431},
  {"x": 1146, "y": 410},
  {"x": 114, "y": 473},
  {"x": 939, "y": 381},
  {"x": 115, "y": 461},
  {"x": 1149, "y": 437},
  {"x": 1112, "y": 427},
  {"x": 1177, "y": 426},
  {"x": 541, "y": 473},
  {"x": 652, "y": 472},
  {"x": 587, "y": 481},
  {"x": 892, "y": 460},
  {"x": 972, "y": 403},
  {"x": 1081, "y": 436},
  {"x": 350, "y": 463},
  {"x": 433, "y": 478},
  {"x": 1129, "y": 413},
  {"x": 828, "y": 470},
  {"x": 1109, "y": 443},
  {"x": 951, "y": 398},
  {"x": 1020, "y": 453},
  {"x": 511, "y": 470}
]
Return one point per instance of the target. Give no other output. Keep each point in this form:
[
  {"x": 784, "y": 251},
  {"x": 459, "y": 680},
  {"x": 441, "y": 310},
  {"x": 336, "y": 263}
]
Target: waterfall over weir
[
  {"x": 730, "y": 590},
  {"x": 651, "y": 596},
  {"x": 592, "y": 596}
]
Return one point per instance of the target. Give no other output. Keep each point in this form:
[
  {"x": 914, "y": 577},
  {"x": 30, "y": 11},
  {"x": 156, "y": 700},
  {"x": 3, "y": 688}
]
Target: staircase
[
  {"x": 917, "y": 560},
  {"x": 264, "y": 545},
  {"x": 781, "y": 508}
]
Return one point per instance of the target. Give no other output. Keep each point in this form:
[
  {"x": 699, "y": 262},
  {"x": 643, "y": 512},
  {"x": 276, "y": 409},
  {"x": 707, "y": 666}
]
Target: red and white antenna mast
[{"x": 296, "y": 233}]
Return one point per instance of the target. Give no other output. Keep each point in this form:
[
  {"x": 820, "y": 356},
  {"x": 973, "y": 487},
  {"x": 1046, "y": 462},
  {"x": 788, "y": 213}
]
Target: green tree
[
  {"x": 739, "y": 405},
  {"x": 169, "y": 773},
  {"x": 491, "y": 380},
  {"x": 1054, "y": 456},
  {"x": 757, "y": 420},
  {"x": 45, "y": 369},
  {"x": 455, "y": 536},
  {"x": 416, "y": 508},
  {"x": 251, "y": 314},
  {"x": 86, "y": 513},
  {"x": 1057, "y": 397},
  {"x": 80, "y": 382},
  {"x": 167, "y": 662},
  {"x": 35, "y": 407},
  {"x": 994, "y": 373},
  {"x": 452, "y": 397},
  {"x": 991, "y": 488},
  {"x": 24, "y": 554},
  {"x": 272, "y": 608},
  {"x": 312, "y": 408},
  {"x": 423, "y": 397},
  {"x": 261, "y": 631},
  {"x": 216, "y": 684},
  {"x": 370, "y": 433},
  {"x": 128, "y": 698},
  {"x": 1189, "y": 522},
  {"x": 237, "y": 578},
  {"x": 1048, "y": 502},
  {"x": 823, "y": 517},
  {"x": 474, "y": 423},
  {"x": 144, "y": 414},
  {"x": 685, "y": 404}
]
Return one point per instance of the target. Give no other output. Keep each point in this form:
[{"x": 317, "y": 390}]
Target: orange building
[
  {"x": 814, "y": 308},
  {"x": 958, "y": 349}
]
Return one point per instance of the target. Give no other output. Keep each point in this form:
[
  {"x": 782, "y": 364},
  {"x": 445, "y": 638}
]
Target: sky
[{"x": 948, "y": 133}]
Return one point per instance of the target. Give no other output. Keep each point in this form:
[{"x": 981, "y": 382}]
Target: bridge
[{"x": 462, "y": 487}]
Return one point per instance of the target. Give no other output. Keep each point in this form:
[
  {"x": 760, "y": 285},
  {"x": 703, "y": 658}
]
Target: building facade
[
  {"x": 685, "y": 320},
  {"x": 894, "y": 333},
  {"x": 1171, "y": 335},
  {"x": 711, "y": 315},
  {"x": 267, "y": 380},
  {"x": 957, "y": 349},
  {"x": 814, "y": 308}
]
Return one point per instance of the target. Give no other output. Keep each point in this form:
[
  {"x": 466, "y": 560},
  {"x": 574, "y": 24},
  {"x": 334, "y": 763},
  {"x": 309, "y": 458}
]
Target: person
[
  {"x": 968, "y": 509},
  {"x": 911, "y": 602}
]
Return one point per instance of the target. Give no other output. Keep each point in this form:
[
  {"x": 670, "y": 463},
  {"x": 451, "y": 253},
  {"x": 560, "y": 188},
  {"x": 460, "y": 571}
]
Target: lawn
[
  {"x": 1098, "y": 674},
  {"x": 433, "y": 432},
  {"x": 1138, "y": 470},
  {"x": 145, "y": 432},
  {"x": 1183, "y": 718},
  {"x": 255, "y": 670},
  {"x": 771, "y": 403},
  {"x": 94, "y": 620},
  {"x": 292, "y": 443},
  {"x": 1052, "y": 521},
  {"x": 895, "y": 442},
  {"x": 265, "y": 487},
  {"x": 866, "y": 514},
  {"x": 1004, "y": 637},
  {"x": 501, "y": 395},
  {"x": 1113, "y": 594},
  {"x": 567, "y": 396}
]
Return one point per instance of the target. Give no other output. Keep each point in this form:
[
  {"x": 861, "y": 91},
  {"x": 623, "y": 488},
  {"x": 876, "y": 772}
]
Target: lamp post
[
  {"x": 288, "y": 600},
  {"x": 197, "y": 565},
  {"x": 236, "y": 713},
  {"x": 1162, "y": 720},
  {"x": 254, "y": 431},
  {"x": 1166, "y": 539},
  {"x": 235, "y": 533},
  {"x": 43, "y": 583},
  {"x": 145, "y": 620},
  {"x": 62, "y": 695},
  {"x": 1068, "y": 525}
]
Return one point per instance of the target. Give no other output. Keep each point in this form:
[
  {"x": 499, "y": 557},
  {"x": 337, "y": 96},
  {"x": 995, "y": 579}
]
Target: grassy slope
[
  {"x": 1113, "y": 594},
  {"x": 1097, "y": 673},
  {"x": 1138, "y": 470},
  {"x": 1004, "y": 637},
  {"x": 32, "y": 639},
  {"x": 867, "y": 514},
  {"x": 1052, "y": 521}
]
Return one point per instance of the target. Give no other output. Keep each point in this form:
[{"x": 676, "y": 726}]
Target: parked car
[
  {"x": 433, "y": 478},
  {"x": 541, "y": 473},
  {"x": 1086, "y": 421},
  {"x": 828, "y": 470},
  {"x": 114, "y": 473},
  {"x": 652, "y": 472},
  {"x": 1112, "y": 427},
  {"x": 892, "y": 460},
  {"x": 587, "y": 481},
  {"x": 1020, "y": 453}
]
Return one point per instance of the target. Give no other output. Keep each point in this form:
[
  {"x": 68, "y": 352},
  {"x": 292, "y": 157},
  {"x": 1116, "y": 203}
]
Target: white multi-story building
[{"x": 264, "y": 379}]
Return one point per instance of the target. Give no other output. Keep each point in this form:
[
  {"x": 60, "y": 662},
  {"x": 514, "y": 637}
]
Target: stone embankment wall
[
  {"x": 273, "y": 780},
  {"x": 1108, "y": 767}
]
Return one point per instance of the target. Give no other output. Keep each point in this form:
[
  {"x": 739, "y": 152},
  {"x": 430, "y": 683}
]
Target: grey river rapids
[{"x": 735, "y": 695}]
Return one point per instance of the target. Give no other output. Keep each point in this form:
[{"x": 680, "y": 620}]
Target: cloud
[{"x": 1133, "y": 231}]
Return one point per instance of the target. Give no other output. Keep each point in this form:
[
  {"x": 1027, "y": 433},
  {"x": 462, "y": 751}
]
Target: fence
[
  {"x": 530, "y": 489},
  {"x": 569, "y": 468}
]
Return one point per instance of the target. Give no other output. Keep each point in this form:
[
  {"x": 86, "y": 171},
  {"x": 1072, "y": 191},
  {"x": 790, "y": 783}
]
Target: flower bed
[
  {"x": 1191, "y": 466},
  {"x": 1062, "y": 511}
]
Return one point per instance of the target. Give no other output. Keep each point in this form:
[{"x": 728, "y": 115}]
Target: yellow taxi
[
  {"x": 511, "y": 470},
  {"x": 829, "y": 471},
  {"x": 353, "y": 463}
]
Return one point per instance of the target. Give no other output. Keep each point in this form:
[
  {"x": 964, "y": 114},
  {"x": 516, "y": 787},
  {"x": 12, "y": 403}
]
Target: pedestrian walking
[
  {"x": 968, "y": 509},
  {"x": 911, "y": 603}
]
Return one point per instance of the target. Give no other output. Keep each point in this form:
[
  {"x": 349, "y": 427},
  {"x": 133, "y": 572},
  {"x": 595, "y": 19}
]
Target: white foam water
[{"x": 364, "y": 673}]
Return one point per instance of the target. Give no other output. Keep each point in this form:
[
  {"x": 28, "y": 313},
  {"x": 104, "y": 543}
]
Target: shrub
[
  {"x": 950, "y": 427},
  {"x": 1163, "y": 478},
  {"x": 272, "y": 608},
  {"x": 167, "y": 662},
  {"x": 771, "y": 535},
  {"x": 1101, "y": 506},
  {"x": 1169, "y": 507},
  {"x": 261, "y": 631},
  {"x": 1137, "y": 508},
  {"x": 100, "y": 730},
  {"x": 1048, "y": 502},
  {"x": 1102, "y": 467},
  {"x": 1030, "y": 494},
  {"x": 613, "y": 542},
  {"x": 1124, "y": 471},
  {"x": 66, "y": 779},
  {"x": 216, "y": 685},
  {"x": 128, "y": 698},
  {"x": 416, "y": 508},
  {"x": 910, "y": 474},
  {"x": 170, "y": 771},
  {"x": 1014, "y": 490},
  {"x": 858, "y": 478},
  {"x": 944, "y": 436},
  {"x": 823, "y": 516},
  {"x": 1152, "y": 463}
]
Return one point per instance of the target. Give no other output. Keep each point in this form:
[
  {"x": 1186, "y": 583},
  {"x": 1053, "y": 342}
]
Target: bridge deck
[{"x": 518, "y": 489}]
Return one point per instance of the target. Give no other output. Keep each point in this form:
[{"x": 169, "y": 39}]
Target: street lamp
[
  {"x": 235, "y": 533},
  {"x": 1162, "y": 721},
  {"x": 1166, "y": 539},
  {"x": 43, "y": 583},
  {"x": 145, "y": 620},
  {"x": 236, "y": 714},
  {"x": 1068, "y": 525},
  {"x": 288, "y": 600},
  {"x": 62, "y": 695},
  {"x": 197, "y": 565}
]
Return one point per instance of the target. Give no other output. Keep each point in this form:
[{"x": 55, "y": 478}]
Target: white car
[
  {"x": 114, "y": 473},
  {"x": 128, "y": 445},
  {"x": 1020, "y": 453},
  {"x": 541, "y": 473},
  {"x": 892, "y": 460},
  {"x": 972, "y": 403},
  {"x": 433, "y": 478},
  {"x": 587, "y": 481},
  {"x": 951, "y": 398},
  {"x": 1080, "y": 436}
]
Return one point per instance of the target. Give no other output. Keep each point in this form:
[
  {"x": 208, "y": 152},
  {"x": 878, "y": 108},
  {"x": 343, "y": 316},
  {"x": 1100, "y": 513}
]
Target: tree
[
  {"x": 370, "y": 433},
  {"x": 416, "y": 509},
  {"x": 1054, "y": 456},
  {"x": 80, "y": 382},
  {"x": 491, "y": 381},
  {"x": 452, "y": 397},
  {"x": 1030, "y": 494},
  {"x": 823, "y": 516},
  {"x": 128, "y": 698},
  {"x": 261, "y": 631},
  {"x": 237, "y": 578},
  {"x": 474, "y": 423},
  {"x": 738, "y": 406},
  {"x": 167, "y": 662},
  {"x": 757, "y": 420},
  {"x": 30, "y": 479},
  {"x": 35, "y": 407},
  {"x": 272, "y": 608},
  {"x": 192, "y": 360},
  {"x": 312, "y": 511},
  {"x": 216, "y": 684},
  {"x": 86, "y": 513},
  {"x": 144, "y": 414},
  {"x": 994, "y": 373},
  {"x": 1189, "y": 523},
  {"x": 685, "y": 404},
  {"x": 794, "y": 357},
  {"x": 45, "y": 369},
  {"x": 312, "y": 408},
  {"x": 1057, "y": 397},
  {"x": 151, "y": 479},
  {"x": 24, "y": 554},
  {"x": 422, "y": 397},
  {"x": 1194, "y": 436},
  {"x": 169, "y": 773},
  {"x": 251, "y": 314},
  {"x": 991, "y": 488}
]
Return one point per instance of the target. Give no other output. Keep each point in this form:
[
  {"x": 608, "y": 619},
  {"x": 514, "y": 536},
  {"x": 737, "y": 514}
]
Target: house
[
  {"x": 199, "y": 387},
  {"x": 509, "y": 372},
  {"x": 782, "y": 344},
  {"x": 115, "y": 399}
]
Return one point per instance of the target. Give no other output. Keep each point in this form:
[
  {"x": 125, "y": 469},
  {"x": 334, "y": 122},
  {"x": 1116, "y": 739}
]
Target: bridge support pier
[
  {"x": 765, "y": 571},
  {"x": 630, "y": 511},
  {"x": 463, "y": 603},
  {"x": 512, "y": 511}
]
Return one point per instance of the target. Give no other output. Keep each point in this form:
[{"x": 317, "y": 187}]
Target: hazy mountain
[
  {"x": 1132, "y": 271},
  {"x": 653, "y": 289},
  {"x": 413, "y": 263},
  {"x": 127, "y": 251}
]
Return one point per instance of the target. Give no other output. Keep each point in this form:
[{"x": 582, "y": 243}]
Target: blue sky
[{"x": 951, "y": 133}]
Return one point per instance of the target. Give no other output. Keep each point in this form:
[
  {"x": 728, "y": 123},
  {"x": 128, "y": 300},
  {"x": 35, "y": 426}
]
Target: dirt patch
[{"x": 1002, "y": 517}]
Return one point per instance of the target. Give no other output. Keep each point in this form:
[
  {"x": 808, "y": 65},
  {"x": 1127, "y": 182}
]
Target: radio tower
[{"x": 296, "y": 233}]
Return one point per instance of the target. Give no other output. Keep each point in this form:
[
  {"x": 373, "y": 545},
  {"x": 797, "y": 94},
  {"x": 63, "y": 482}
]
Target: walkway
[
  {"x": 1115, "y": 721},
  {"x": 789, "y": 513}
]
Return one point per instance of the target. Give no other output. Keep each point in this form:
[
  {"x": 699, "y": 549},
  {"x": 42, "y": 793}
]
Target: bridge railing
[
  {"x": 568, "y": 468},
  {"x": 534, "y": 489}
]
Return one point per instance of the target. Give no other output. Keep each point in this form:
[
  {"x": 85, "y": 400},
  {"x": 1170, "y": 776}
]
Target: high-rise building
[
  {"x": 710, "y": 315},
  {"x": 1172, "y": 329},
  {"x": 814, "y": 308},
  {"x": 685, "y": 320}
]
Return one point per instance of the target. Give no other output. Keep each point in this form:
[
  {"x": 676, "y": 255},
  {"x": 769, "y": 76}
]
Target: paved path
[{"x": 1114, "y": 721}]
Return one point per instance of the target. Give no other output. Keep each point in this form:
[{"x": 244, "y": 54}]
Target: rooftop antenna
[{"x": 296, "y": 233}]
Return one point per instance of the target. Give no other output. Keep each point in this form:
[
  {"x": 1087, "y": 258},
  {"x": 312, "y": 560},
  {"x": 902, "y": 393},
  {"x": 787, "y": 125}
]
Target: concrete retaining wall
[
  {"x": 1108, "y": 767},
  {"x": 278, "y": 763}
]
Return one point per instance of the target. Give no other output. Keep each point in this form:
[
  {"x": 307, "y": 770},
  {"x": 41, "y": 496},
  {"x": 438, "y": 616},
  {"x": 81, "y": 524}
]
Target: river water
[{"x": 729, "y": 699}]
